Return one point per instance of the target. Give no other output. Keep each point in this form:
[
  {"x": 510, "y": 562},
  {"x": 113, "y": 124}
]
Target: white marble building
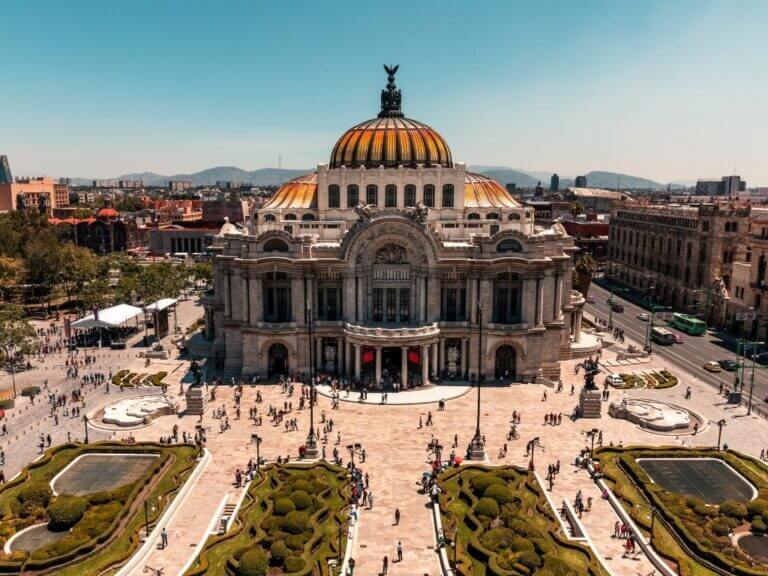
[{"x": 390, "y": 256}]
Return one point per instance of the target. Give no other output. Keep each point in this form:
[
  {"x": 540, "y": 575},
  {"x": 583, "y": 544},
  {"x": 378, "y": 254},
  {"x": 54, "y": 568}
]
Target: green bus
[{"x": 688, "y": 324}]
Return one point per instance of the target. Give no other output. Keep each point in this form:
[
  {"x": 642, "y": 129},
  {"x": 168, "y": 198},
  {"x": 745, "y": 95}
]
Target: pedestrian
[
  {"x": 397, "y": 510},
  {"x": 385, "y": 565},
  {"x": 399, "y": 551},
  {"x": 164, "y": 538}
]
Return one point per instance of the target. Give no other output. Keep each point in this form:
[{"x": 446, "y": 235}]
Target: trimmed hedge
[
  {"x": 253, "y": 563},
  {"x": 65, "y": 512}
]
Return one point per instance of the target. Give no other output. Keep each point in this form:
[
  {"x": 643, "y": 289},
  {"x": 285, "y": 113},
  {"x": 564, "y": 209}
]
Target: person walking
[
  {"x": 399, "y": 551},
  {"x": 164, "y": 538},
  {"x": 397, "y": 516},
  {"x": 384, "y": 565}
]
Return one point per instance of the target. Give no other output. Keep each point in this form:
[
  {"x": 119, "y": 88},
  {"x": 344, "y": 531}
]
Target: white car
[
  {"x": 644, "y": 316},
  {"x": 614, "y": 380}
]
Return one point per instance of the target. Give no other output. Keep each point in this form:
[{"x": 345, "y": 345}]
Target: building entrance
[
  {"x": 278, "y": 360},
  {"x": 391, "y": 365},
  {"x": 506, "y": 363}
]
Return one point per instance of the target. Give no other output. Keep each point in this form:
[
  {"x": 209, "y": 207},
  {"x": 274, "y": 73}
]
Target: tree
[
  {"x": 15, "y": 329},
  {"x": 44, "y": 263},
  {"x": 11, "y": 273},
  {"x": 81, "y": 266},
  {"x": 203, "y": 272},
  {"x": 585, "y": 271},
  {"x": 576, "y": 208},
  {"x": 96, "y": 294}
]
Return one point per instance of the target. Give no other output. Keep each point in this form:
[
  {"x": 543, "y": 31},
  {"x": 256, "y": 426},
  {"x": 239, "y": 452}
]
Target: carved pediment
[{"x": 391, "y": 254}]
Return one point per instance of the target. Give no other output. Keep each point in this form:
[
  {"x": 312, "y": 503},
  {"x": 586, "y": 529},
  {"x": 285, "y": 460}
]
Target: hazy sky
[{"x": 667, "y": 90}]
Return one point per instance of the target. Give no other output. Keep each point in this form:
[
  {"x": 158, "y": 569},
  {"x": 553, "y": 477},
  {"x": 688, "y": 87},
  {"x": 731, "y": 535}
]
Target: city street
[{"x": 691, "y": 355}]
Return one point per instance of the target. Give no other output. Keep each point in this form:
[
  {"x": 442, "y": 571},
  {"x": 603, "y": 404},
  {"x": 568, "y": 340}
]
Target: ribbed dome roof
[{"x": 390, "y": 141}]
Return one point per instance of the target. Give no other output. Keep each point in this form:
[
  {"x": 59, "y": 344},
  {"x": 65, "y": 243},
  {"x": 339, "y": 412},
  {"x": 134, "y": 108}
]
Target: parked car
[
  {"x": 728, "y": 365},
  {"x": 678, "y": 338},
  {"x": 591, "y": 299},
  {"x": 614, "y": 380},
  {"x": 617, "y": 308},
  {"x": 712, "y": 366},
  {"x": 644, "y": 316}
]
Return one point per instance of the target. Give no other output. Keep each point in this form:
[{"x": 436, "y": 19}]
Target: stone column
[
  {"x": 434, "y": 359},
  {"x": 524, "y": 317},
  {"x": 404, "y": 366},
  {"x": 539, "y": 301},
  {"x": 357, "y": 360},
  {"x": 422, "y": 299},
  {"x": 577, "y": 326},
  {"x": 244, "y": 297},
  {"x": 227, "y": 302},
  {"x": 340, "y": 355},
  {"x": 378, "y": 364},
  {"x": 254, "y": 299},
  {"x": 360, "y": 318},
  {"x": 557, "y": 313},
  {"x": 297, "y": 299},
  {"x": 425, "y": 364},
  {"x": 441, "y": 356},
  {"x": 472, "y": 300},
  {"x": 347, "y": 359},
  {"x": 319, "y": 354},
  {"x": 463, "y": 357},
  {"x": 348, "y": 302},
  {"x": 433, "y": 299}
]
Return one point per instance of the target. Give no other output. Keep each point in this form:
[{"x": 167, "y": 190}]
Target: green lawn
[
  {"x": 116, "y": 514},
  {"x": 289, "y": 523},
  {"x": 504, "y": 526},
  {"x": 704, "y": 528}
]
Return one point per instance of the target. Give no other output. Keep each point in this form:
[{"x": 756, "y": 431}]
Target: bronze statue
[
  {"x": 391, "y": 98},
  {"x": 364, "y": 212},
  {"x": 420, "y": 213}
]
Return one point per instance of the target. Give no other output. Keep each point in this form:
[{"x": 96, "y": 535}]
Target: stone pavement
[{"x": 427, "y": 395}]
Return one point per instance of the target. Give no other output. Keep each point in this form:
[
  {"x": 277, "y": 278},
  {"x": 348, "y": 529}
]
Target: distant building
[
  {"x": 179, "y": 185},
  {"x": 595, "y": 200},
  {"x": 216, "y": 211},
  {"x": 5, "y": 171},
  {"x": 105, "y": 233},
  {"x": 131, "y": 184},
  {"x": 104, "y": 183},
  {"x": 590, "y": 235},
  {"x": 33, "y": 192},
  {"x": 554, "y": 183},
  {"x": 175, "y": 238},
  {"x": 539, "y": 190},
  {"x": 727, "y": 186},
  {"x": 581, "y": 182}
]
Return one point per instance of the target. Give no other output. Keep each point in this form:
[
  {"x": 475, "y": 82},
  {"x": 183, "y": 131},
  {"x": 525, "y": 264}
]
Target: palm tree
[{"x": 585, "y": 271}]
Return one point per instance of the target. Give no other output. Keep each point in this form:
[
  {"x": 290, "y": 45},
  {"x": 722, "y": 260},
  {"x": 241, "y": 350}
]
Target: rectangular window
[
  {"x": 353, "y": 196},
  {"x": 405, "y": 304},
  {"x": 378, "y": 305},
  {"x": 429, "y": 195},
  {"x": 331, "y": 304},
  {"x": 283, "y": 311},
  {"x": 450, "y": 305},
  {"x": 334, "y": 197},
  {"x": 410, "y": 196},
  {"x": 501, "y": 306},
  {"x": 391, "y": 305},
  {"x": 371, "y": 195},
  {"x": 320, "y": 313},
  {"x": 447, "y": 196},
  {"x": 390, "y": 196},
  {"x": 462, "y": 304}
]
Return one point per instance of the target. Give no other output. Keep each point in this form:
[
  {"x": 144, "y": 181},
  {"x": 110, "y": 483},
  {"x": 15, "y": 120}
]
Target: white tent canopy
[
  {"x": 111, "y": 317},
  {"x": 161, "y": 304}
]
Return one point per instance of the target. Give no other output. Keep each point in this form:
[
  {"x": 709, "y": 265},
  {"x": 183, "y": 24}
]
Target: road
[{"x": 691, "y": 355}]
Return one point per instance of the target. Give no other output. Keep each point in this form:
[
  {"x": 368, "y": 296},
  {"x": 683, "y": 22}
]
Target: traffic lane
[{"x": 692, "y": 355}]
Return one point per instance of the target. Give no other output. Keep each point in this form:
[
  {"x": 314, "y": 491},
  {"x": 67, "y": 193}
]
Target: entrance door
[
  {"x": 278, "y": 360},
  {"x": 505, "y": 363}
]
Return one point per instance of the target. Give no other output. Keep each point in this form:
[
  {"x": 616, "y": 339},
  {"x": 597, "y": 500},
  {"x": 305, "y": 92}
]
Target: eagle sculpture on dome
[{"x": 391, "y": 98}]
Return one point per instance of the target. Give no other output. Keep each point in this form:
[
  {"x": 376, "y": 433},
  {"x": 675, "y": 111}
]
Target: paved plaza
[{"x": 395, "y": 437}]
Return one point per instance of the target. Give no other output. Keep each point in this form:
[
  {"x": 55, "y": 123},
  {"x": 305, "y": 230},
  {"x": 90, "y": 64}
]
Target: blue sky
[{"x": 666, "y": 90}]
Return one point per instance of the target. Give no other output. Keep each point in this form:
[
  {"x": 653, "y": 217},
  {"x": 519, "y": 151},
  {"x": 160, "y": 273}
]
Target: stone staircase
[{"x": 226, "y": 518}]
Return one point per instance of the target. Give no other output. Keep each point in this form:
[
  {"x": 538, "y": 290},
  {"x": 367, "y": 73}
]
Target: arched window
[
  {"x": 353, "y": 195},
  {"x": 473, "y": 216},
  {"x": 269, "y": 218},
  {"x": 372, "y": 194},
  {"x": 429, "y": 195},
  {"x": 514, "y": 216},
  {"x": 509, "y": 245},
  {"x": 308, "y": 217},
  {"x": 289, "y": 217},
  {"x": 275, "y": 245},
  {"x": 334, "y": 196},
  {"x": 447, "y": 195},
  {"x": 410, "y": 195},
  {"x": 390, "y": 196},
  {"x": 492, "y": 216}
]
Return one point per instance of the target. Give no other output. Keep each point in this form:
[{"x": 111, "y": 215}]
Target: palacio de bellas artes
[{"x": 393, "y": 264}]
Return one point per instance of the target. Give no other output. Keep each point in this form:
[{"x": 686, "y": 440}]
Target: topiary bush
[
  {"x": 759, "y": 527},
  {"x": 487, "y": 507},
  {"x": 500, "y": 493},
  {"x": 65, "y": 512},
  {"x": 302, "y": 485},
  {"x": 38, "y": 493},
  {"x": 283, "y": 506},
  {"x": 294, "y": 564},
  {"x": 498, "y": 538},
  {"x": 296, "y": 541},
  {"x": 253, "y": 563},
  {"x": 278, "y": 552},
  {"x": 481, "y": 482},
  {"x": 734, "y": 509},
  {"x": 721, "y": 528},
  {"x": 758, "y": 507},
  {"x": 301, "y": 499},
  {"x": 530, "y": 559},
  {"x": 297, "y": 522}
]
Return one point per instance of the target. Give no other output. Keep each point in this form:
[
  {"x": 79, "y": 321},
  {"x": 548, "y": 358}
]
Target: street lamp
[
  {"x": 533, "y": 444},
  {"x": 720, "y": 425},
  {"x": 146, "y": 515},
  {"x": 591, "y": 434},
  {"x": 310, "y": 446},
  {"x": 477, "y": 448},
  {"x": 257, "y": 439},
  {"x": 653, "y": 521},
  {"x": 85, "y": 422}
]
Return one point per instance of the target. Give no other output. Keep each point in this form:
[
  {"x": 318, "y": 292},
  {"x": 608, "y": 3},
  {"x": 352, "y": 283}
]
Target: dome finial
[{"x": 391, "y": 97}]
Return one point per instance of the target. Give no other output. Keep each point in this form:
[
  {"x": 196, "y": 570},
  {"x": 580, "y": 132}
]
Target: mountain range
[{"x": 502, "y": 174}]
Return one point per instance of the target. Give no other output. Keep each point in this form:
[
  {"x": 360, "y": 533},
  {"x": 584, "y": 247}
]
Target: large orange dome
[
  {"x": 390, "y": 142},
  {"x": 391, "y": 139}
]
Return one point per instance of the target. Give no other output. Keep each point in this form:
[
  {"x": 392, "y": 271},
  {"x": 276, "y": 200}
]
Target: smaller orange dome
[{"x": 107, "y": 213}]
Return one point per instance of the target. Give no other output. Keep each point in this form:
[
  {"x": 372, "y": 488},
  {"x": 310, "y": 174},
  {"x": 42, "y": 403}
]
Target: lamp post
[
  {"x": 653, "y": 521},
  {"x": 533, "y": 444},
  {"x": 720, "y": 425},
  {"x": 477, "y": 447},
  {"x": 85, "y": 422},
  {"x": 310, "y": 446},
  {"x": 611, "y": 302},
  {"x": 146, "y": 516},
  {"x": 592, "y": 433},
  {"x": 257, "y": 439}
]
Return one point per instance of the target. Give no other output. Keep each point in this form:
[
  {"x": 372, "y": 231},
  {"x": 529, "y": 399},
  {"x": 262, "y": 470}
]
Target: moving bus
[
  {"x": 662, "y": 336},
  {"x": 688, "y": 324}
]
